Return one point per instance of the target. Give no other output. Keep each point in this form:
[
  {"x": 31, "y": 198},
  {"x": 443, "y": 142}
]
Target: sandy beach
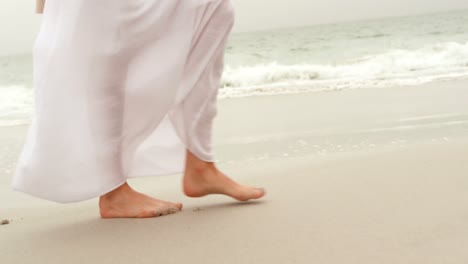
[{"x": 358, "y": 176}]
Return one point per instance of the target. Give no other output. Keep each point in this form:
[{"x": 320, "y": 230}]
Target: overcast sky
[
  {"x": 19, "y": 24},
  {"x": 260, "y": 14}
]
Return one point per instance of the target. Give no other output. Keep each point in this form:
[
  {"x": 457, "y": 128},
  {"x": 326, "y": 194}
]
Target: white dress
[{"x": 122, "y": 89}]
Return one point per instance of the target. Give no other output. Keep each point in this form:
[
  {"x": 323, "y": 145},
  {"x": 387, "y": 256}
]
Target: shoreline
[{"x": 460, "y": 80}]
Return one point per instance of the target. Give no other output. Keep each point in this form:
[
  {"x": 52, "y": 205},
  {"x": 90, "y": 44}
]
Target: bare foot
[
  {"x": 202, "y": 178},
  {"x": 124, "y": 202}
]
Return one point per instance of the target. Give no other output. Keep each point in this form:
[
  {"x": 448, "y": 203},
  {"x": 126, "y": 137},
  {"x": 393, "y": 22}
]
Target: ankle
[
  {"x": 117, "y": 192},
  {"x": 199, "y": 171},
  {"x": 195, "y": 163}
]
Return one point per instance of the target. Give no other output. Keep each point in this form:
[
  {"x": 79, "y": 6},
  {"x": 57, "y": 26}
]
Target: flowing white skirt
[{"x": 122, "y": 89}]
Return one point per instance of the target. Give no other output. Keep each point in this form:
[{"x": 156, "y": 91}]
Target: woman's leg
[{"x": 198, "y": 109}]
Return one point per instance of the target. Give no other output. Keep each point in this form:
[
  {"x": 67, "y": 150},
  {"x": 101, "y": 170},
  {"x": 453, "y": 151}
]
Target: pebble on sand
[{"x": 5, "y": 222}]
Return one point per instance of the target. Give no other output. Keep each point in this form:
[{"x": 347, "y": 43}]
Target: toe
[
  {"x": 257, "y": 193},
  {"x": 176, "y": 205},
  {"x": 173, "y": 210},
  {"x": 261, "y": 190},
  {"x": 158, "y": 212},
  {"x": 165, "y": 212}
]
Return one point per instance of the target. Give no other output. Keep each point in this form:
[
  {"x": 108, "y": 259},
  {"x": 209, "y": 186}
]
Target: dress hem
[{"x": 100, "y": 193}]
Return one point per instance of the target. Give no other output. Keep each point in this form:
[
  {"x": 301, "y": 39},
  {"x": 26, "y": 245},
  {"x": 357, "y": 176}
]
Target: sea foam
[
  {"x": 16, "y": 105},
  {"x": 395, "y": 67}
]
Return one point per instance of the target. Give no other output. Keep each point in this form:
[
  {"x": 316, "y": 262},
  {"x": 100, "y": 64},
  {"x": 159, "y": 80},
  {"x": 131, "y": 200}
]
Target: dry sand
[{"x": 377, "y": 176}]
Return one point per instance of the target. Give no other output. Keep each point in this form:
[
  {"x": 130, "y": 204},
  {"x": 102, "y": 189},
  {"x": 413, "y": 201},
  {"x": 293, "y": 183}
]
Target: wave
[
  {"x": 395, "y": 67},
  {"x": 16, "y": 105}
]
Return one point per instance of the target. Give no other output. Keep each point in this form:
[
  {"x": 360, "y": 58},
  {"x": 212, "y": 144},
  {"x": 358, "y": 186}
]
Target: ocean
[{"x": 389, "y": 52}]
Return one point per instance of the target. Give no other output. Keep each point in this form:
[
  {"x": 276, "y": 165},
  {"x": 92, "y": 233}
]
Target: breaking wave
[{"x": 395, "y": 67}]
